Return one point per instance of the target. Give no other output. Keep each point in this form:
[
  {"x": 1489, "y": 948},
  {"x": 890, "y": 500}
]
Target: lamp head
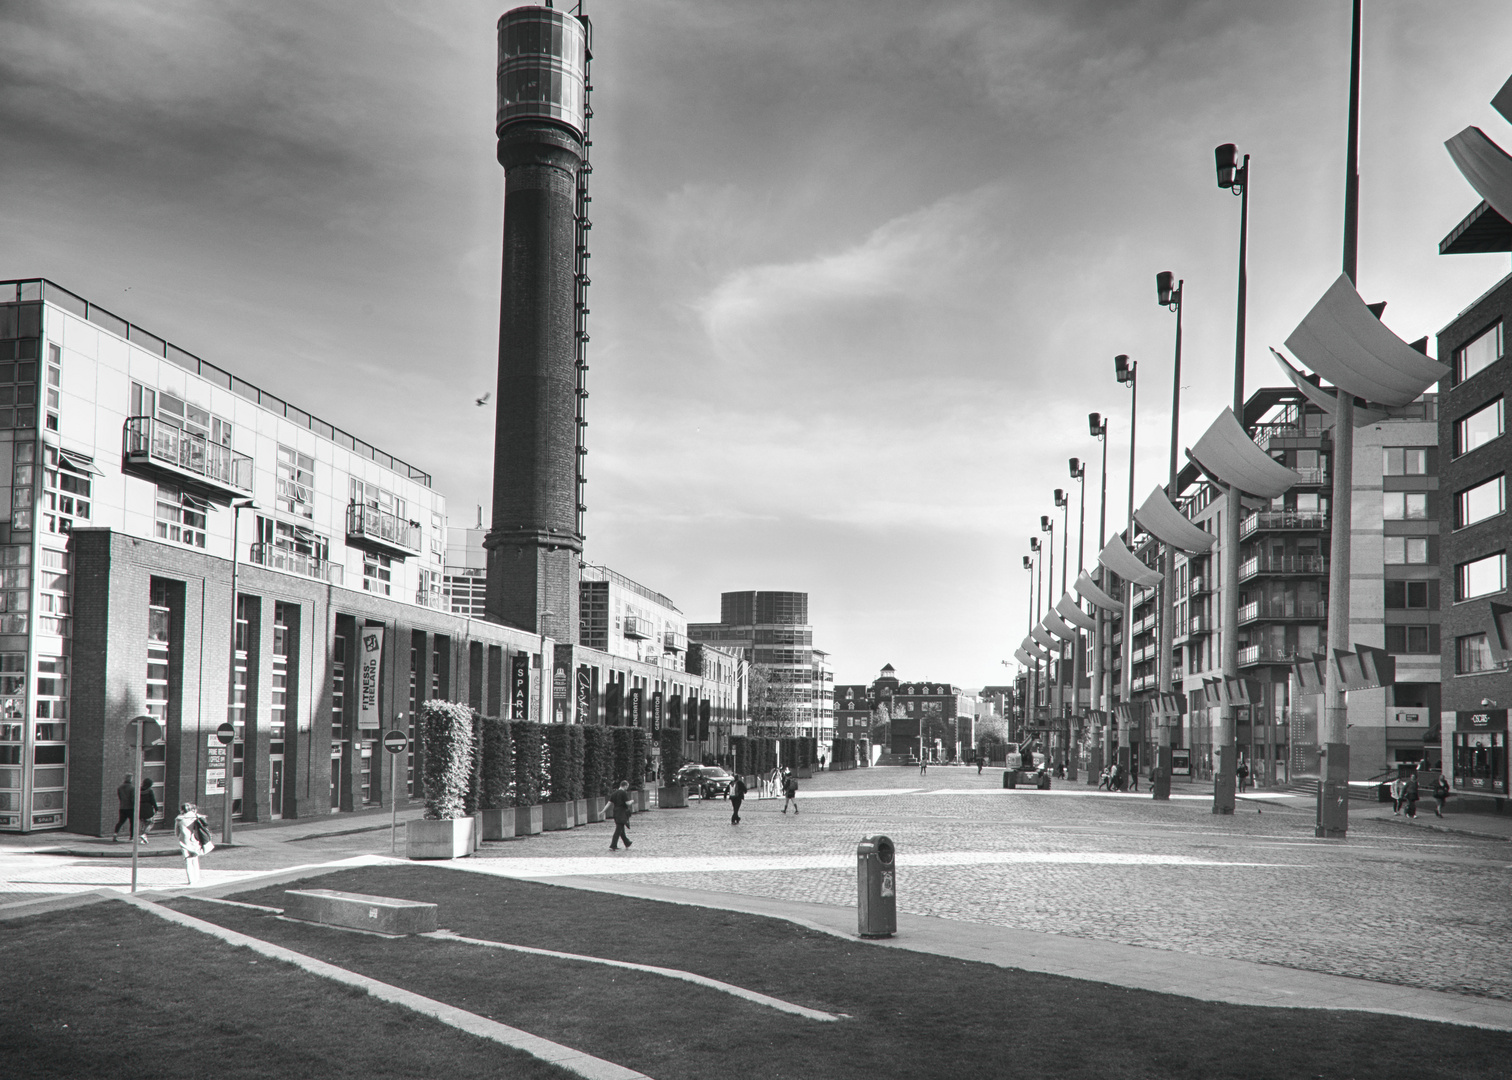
[
  {"x": 1166, "y": 290},
  {"x": 1046, "y": 525},
  {"x": 1028, "y": 563},
  {"x": 1123, "y": 368},
  {"x": 1060, "y": 497},
  {"x": 1226, "y": 158},
  {"x": 1077, "y": 471},
  {"x": 1095, "y": 422}
]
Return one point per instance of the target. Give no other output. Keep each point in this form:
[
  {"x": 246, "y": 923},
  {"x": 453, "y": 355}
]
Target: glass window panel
[
  {"x": 1482, "y": 351},
  {"x": 1472, "y": 653},
  {"x": 1480, "y": 427},
  {"x": 1485, "y": 500},
  {"x": 1481, "y": 577}
]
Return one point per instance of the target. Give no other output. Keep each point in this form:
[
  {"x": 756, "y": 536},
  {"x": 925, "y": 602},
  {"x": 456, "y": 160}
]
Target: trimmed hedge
[
  {"x": 671, "y": 753},
  {"x": 629, "y": 756},
  {"x": 497, "y": 791},
  {"x": 448, "y": 762},
  {"x": 564, "y": 744},
  {"x": 530, "y": 761},
  {"x": 576, "y": 751},
  {"x": 473, "y": 801},
  {"x": 598, "y": 761}
]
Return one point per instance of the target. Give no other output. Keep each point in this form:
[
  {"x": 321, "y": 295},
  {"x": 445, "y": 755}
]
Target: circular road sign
[
  {"x": 395, "y": 742},
  {"x": 225, "y": 733}
]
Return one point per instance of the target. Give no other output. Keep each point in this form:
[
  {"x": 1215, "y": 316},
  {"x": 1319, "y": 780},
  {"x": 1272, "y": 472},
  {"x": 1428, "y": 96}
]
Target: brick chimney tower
[{"x": 535, "y": 541}]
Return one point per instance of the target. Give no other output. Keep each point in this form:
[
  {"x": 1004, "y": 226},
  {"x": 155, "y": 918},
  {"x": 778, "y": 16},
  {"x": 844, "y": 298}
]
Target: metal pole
[
  {"x": 1101, "y": 687},
  {"x": 1081, "y": 648},
  {"x": 1063, "y": 721},
  {"x": 136, "y": 808},
  {"x": 1126, "y": 680},
  {"x": 1160, "y": 787},
  {"x": 231, "y": 684}
]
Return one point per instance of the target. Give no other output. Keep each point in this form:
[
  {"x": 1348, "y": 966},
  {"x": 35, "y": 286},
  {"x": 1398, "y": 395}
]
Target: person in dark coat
[
  {"x": 737, "y": 796},
  {"x": 1440, "y": 793},
  {"x": 147, "y": 808},
  {"x": 790, "y": 793},
  {"x": 1410, "y": 795},
  {"x": 126, "y": 796},
  {"x": 619, "y": 801}
]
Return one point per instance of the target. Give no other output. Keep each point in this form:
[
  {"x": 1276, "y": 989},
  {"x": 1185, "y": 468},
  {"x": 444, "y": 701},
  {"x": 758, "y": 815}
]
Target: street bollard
[{"x": 876, "y": 888}]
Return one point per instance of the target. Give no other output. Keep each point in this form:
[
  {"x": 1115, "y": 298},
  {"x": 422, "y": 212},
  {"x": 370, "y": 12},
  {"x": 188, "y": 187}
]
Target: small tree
[
  {"x": 498, "y": 766},
  {"x": 559, "y": 763},
  {"x": 639, "y": 751},
  {"x": 448, "y": 761},
  {"x": 530, "y": 762},
  {"x": 671, "y": 753},
  {"x": 774, "y": 703},
  {"x": 576, "y": 753},
  {"x": 598, "y": 761},
  {"x": 624, "y": 758}
]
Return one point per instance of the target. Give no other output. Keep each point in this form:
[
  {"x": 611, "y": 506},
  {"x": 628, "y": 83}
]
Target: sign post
[
  {"x": 141, "y": 731},
  {"x": 224, "y": 734},
  {"x": 396, "y": 743}
]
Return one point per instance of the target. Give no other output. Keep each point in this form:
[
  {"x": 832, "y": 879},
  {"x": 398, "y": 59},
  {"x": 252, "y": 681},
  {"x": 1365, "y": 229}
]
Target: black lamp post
[
  {"x": 1168, "y": 292},
  {"x": 1099, "y": 430},
  {"x": 1127, "y": 371}
]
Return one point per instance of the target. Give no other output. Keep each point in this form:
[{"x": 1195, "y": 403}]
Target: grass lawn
[
  {"x": 914, "y": 1015},
  {"x": 108, "y": 991}
]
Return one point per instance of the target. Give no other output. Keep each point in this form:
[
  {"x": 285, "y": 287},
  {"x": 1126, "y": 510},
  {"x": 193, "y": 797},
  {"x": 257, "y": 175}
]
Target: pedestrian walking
[
  {"x": 1440, "y": 793},
  {"x": 126, "y": 796},
  {"x": 1410, "y": 795},
  {"x": 923, "y": 765},
  {"x": 737, "y": 796},
  {"x": 979, "y": 764},
  {"x": 1243, "y": 774},
  {"x": 147, "y": 808},
  {"x": 193, "y": 834},
  {"x": 619, "y": 806},
  {"x": 1397, "y": 787},
  {"x": 1133, "y": 776},
  {"x": 790, "y": 793}
]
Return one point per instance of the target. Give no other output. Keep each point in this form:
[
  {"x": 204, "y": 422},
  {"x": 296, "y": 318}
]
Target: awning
[
  {"x": 1497, "y": 623},
  {"x": 1067, "y": 609},
  {"x": 1327, "y": 399},
  {"x": 83, "y": 463},
  {"x": 1162, "y": 520},
  {"x": 1089, "y": 590},
  {"x": 1228, "y": 453},
  {"x": 1034, "y": 649},
  {"x": 1119, "y": 559},
  {"x": 1058, "y": 626},
  {"x": 1342, "y": 340},
  {"x": 1023, "y": 657},
  {"x": 1045, "y": 640},
  {"x": 1485, "y": 166}
]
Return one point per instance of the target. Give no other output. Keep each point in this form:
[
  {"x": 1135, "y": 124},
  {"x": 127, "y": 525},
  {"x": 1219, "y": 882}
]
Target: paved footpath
[{"x": 1399, "y": 918}]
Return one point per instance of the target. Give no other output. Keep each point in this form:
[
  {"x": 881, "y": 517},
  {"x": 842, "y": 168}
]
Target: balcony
[
  {"x": 382, "y": 532},
  {"x": 1312, "y": 477},
  {"x": 1144, "y": 625},
  {"x": 294, "y": 562},
  {"x": 674, "y": 641},
  {"x": 1199, "y": 624},
  {"x": 1279, "y": 520},
  {"x": 187, "y": 459},
  {"x": 1198, "y": 587},
  {"x": 638, "y": 628},
  {"x": 1286, "y": 609},
  {"x": 1145, "y": 682},
  {"x": 1263, "y": 434},
  {"x": 1266, "y": 653},
  {"x": 1288, "y": 564}
]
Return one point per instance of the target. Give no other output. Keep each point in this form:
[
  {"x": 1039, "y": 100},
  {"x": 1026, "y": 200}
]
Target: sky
[{"x": 859, "y": 267}]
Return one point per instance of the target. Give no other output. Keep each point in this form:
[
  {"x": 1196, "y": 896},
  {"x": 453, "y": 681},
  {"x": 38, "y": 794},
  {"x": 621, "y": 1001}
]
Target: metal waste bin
[
  {"x": 1010, "y": 778},
  {"x": 876, "y": 888}
]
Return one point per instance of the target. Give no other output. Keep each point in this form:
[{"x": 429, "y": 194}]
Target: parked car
[{"x": 707, "y": 781}]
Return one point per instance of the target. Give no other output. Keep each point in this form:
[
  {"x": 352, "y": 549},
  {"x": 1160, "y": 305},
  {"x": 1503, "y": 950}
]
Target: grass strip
[
  {"x": 109, "y": 991},
  {"x": 914, "y": 1014}
]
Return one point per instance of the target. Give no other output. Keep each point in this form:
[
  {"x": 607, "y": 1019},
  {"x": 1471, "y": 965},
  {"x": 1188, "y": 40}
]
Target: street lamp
[
  {"x": 1168, "y": 293},
  {"x": 1079, "y": 474},
  {"x": 1062, "y": 724},
  {"x": 1099, "y": 430},
  {"x": 237, "y": 506},
  {"x": 1126, "y": 371},
  {"x": 1233, "y": 176},
  {"x": 1039, "y": 591}
]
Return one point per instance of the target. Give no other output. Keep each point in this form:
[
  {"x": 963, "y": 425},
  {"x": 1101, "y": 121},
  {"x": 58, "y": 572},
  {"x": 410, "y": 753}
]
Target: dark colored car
[{"x": 707, "y": 781}]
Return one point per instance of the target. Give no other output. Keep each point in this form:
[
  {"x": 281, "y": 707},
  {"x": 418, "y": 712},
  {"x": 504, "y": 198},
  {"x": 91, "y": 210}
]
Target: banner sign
[
  {"x": 674, "y": 711},
  {"x": 614, "y": 702},
  {"x": 370, "y": 660},
  {"x": 215, "y": 772},
  {"x": 584, "y": 694},
  {"x": 559, "y": 691},
  {"x": 519, "y": 687},
  {"x": 657, "y": 714},
  {"x": 637, "y": 707},
  {"x": 703, "y": 720}
]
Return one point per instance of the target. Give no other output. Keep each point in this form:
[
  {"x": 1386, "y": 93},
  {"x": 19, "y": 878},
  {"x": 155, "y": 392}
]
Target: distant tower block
[{"x": 534, "y": 545}]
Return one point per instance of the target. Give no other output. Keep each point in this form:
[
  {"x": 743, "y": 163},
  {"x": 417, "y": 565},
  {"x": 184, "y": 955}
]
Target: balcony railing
[
  {"x": 674, "y": 641},
  {"x": 1266, "y": 653},
  {"x": 1145, "y": 682},
  {"x": 1313, "y": 477},
  {"x": 1284, "y": 609},
  {"x": 1287, "y": 564},
  {"x": 636, "y": 627},
  {"x": 1271, "y": 520},
  {"x": 1200, "y": 624},
  {"x": 1264, "y": 433},
  {"x": 372, "y": 527},
  {"x": 187, "y": 456},
  {"x": 294, "y": 562},
  {"x": 1198, "y": 586}
]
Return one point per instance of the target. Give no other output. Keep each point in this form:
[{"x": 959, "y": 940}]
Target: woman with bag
[{"x": 193, "y": 835}]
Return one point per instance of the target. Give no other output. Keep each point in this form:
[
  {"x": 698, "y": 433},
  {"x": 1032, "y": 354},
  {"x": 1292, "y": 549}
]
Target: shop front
[{"x": 1480, "y": 753}]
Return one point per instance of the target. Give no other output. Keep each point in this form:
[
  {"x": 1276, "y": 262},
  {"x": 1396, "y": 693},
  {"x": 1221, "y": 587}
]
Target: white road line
[
  {"x": 671, "y": 973},
  {"x": 575, "y": 1061}
]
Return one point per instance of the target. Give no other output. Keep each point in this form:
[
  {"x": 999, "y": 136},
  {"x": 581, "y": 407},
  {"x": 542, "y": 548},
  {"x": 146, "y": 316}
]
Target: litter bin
[
  {"x": 876, "y": 888},
  {"x": 1010, "y": 778}
]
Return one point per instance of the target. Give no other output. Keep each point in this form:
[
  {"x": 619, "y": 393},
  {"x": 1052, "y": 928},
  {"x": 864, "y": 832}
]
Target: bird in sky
[{"x": 484, "y": 399}]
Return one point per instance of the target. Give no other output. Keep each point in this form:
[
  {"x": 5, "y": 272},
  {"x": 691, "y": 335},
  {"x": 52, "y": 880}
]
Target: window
[
  {"x": 297, "y": 539},
  {"x": 1472, "y": 653},
  {"x": 373, "y": 496},
  {"x": 377, "y": 573},
  {"x": 1405, "y": 461},
  {"x": 54, "y": 601},
  {"x": 1406, "y": 549},
  {"x": 1482, "y": 351},
  {"x": 54, "y": 384},
  {"x": 180, "y": 518},
  {"x": 1404, "y": 505},
  {"x": 1407, "y": 639},
  {"x": 1481, "y": 577},
  {"x": 1406, "y": 594},
  {"x": 18, "y": 386},
  {"x": 66, "y": 494},
  {"x": 23, "y": 476},
  {"x": 296, "y": 483},
  {"x": 174, "y": 411},
  {"x": 1484, "y": 500},
  {"x": 1480, "y": 427}
]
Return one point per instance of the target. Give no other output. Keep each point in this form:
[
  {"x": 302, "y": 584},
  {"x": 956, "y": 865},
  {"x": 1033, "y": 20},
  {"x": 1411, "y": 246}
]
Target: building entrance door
[
  {"x": 335, "y": 774},
  {"x": 275, "y": 786}
]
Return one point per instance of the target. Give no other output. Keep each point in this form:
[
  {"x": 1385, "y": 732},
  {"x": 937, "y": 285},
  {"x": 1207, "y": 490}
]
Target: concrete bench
[{"x": 381, "y": 914}]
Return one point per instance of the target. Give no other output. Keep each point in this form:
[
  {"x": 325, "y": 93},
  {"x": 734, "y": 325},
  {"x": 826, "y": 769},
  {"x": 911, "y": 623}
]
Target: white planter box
[{"x": 450, "y": 838}]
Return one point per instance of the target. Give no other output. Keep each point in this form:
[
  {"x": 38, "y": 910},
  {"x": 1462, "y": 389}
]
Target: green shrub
[
  {"x": 497, "y": 791},
  {"x": 598, "y": 761},
  {"x": 623, "y": 768},
  {"x": 531, "y": 761},
  {"x": 576, "y": 750},
  {"x": 639, "y": 751},
  {"x": 473, "y": 801},
  {"x": 448, "y": 762},
  {"x": 559, "y": 763},
  {"x": 671, "y": 753}
]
